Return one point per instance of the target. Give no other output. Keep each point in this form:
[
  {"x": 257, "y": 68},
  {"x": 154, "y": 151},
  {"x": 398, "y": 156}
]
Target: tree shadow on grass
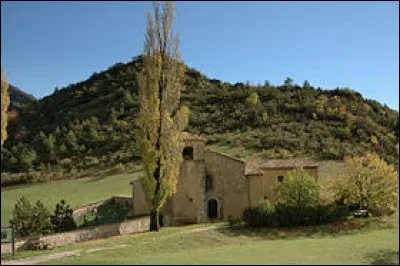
[
  {"x": 383, "y": 257},
  {"x": 332, "y": 230},
  {"x": 107, "y": 214}
]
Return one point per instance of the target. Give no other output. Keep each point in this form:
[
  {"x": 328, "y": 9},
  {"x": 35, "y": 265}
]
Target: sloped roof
[
  {"x": 226, "y": 155},
  {"x": 253, "y": 169},
  {"x": 256, "y": 166}
]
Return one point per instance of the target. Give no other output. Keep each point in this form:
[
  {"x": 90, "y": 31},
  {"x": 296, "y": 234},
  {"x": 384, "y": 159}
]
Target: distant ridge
[{"x": 18, "y": 98}]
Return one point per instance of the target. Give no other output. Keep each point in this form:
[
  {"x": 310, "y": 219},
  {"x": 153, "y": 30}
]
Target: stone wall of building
[
  {"x": 128, "y": 227},
  {"x": 140, "y": 206},
  {"x": 187, "y": 204},
  {"x": 198, "y": 149},
  {"x": 229, "y": 183}
]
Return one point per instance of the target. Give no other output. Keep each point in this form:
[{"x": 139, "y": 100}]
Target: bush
[
  {"x": 36, "y": 177},
  {"x": 62, "y": 219},
  {"x": 234, "y": 221},
  {"x": 119, "y": 168},
  {"x": 8, "y": 179},
  {"x": 299, "y": 189},
  {"x": 288, "y": 216},
  {"x": 30, "y": 220},
  {"x": 282, "y": 215},
  {"x": 260, "y": 215}
]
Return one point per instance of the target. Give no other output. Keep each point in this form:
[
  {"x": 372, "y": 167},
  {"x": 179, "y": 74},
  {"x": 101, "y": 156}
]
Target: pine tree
[
  {"x": 288, "y": 82},
  {"x": 160, "y": 120},
  {"x": 306, "y": 84},
  {"x": 62, "y": 219}
]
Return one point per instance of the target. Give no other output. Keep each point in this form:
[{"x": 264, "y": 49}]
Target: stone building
[{"x": 214, "y": 186}]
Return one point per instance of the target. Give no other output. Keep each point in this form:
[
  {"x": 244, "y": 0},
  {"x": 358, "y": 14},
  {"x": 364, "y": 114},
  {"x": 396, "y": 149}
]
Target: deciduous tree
[
  {"x": 160, "y": 118},
  {"x": 5, "y": 102},
  {"x": 369, "y": 182}
]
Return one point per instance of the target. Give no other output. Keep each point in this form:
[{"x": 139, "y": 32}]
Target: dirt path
[
  {"x": 193, "y": 231},
  {"x": 56, "y": 256}
]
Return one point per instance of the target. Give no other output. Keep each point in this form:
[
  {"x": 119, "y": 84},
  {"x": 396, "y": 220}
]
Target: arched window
[
  {"x": 187, "y": 153},
  {"x": 209, "y": 183},
  {"x": 280, "y": 178}
]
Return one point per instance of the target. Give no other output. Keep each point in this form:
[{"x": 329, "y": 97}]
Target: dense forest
[{"x": 91, "y": 123}]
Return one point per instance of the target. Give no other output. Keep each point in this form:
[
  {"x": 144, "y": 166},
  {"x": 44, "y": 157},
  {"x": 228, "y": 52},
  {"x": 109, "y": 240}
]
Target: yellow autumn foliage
[
  {"x": 369, "y": 183},
  {"x": 5, "y": 102},
  {"x": 161, "y": 120}
]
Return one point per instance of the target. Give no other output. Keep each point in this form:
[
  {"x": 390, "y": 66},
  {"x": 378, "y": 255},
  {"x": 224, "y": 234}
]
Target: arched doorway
[{"x": 212, "y": 208}]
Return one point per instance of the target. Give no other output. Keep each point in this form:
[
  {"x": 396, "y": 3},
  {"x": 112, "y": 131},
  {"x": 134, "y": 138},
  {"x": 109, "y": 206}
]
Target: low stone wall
[
  {"x": 84, "y": 209},
  {"x": 121, "y": 200},
  {"x": 128, "y": 227}
]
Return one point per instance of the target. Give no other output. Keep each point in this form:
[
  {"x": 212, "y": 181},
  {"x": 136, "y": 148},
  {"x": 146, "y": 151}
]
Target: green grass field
[
  {"x": 375, "y": 243},
  {"x": 76, "y": 192}
]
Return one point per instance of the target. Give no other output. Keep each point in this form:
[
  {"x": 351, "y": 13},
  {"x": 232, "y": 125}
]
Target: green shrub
[
  {"x": 8, "y": 179},
  {"x": 299, "y": 189},
  {"x": 234, "y": 221},
  {"x": 36, "y": 177},
  {"x": 30, "y": 220},
  {"x": 62, "y": 219},
  {"x": 260, "y": 215},
  {"x": 119, "y": 168},
  {"x": 288, "y": 216},
  {"x": 282, "y": 215}
]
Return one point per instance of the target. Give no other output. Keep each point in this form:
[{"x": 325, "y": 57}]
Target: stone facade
[
  {"x": 215, "y": 186},
  {"x": 229, "y": 183}
]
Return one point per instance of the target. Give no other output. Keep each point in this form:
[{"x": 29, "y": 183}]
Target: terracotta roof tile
[{"x": 290, "y": 163}]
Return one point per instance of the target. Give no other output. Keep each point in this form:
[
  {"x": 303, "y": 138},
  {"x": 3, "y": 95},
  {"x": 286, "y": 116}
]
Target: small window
[
  {"x": 280, "y": 178},
  {"x": 209, "y": 183},
  {"x": 187, "y": 153}
]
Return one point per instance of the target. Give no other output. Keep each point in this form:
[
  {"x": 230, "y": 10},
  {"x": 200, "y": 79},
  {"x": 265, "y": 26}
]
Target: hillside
[
  {"x": 91, "y": 123},
  {"x": 18, "y": 98}
]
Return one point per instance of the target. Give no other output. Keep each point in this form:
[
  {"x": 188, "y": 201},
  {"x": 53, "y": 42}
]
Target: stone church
[{"x": 215, "y": 186}]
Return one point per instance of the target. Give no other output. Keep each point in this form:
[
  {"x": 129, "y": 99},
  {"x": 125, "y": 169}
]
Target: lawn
[
  {"x": 375, "y": 243},
  {"x": 76, "y": 192}
]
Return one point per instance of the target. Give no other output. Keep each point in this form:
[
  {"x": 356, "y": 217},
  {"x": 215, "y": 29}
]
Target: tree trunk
[{"x": 154, "y": 220}]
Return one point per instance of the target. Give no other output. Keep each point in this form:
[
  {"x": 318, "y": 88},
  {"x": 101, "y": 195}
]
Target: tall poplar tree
[
  {"x": 5, "y": 102},
  {"x": 161, "y": 119}
]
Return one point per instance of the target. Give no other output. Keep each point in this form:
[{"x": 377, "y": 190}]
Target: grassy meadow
[
  {"x": 374, "y": 241},
  {"x": 77, "y": 192}
]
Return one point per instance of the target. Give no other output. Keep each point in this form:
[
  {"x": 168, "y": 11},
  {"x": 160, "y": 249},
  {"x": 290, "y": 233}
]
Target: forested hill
[
  {"x": 18, "y": 98},
  {"x": 91, "y": 123}
]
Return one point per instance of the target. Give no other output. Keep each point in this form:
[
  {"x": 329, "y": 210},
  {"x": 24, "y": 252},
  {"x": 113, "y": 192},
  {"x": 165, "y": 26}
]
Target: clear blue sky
[{"x": 331, "y": 44}]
